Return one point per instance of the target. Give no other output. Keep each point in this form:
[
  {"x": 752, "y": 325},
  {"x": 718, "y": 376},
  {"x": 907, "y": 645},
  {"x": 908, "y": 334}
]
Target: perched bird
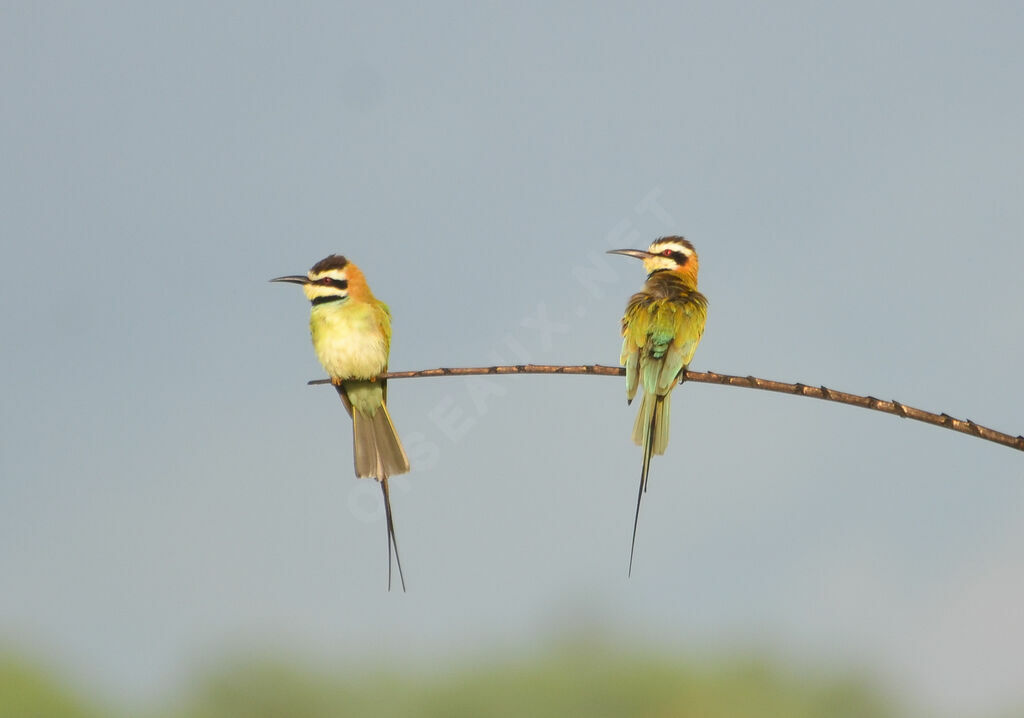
[
  {"x": 351, "y": 331},
  {"x": 661, "y": 328}
]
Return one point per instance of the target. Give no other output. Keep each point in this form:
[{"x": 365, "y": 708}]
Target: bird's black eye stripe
[
  {"x": 340, "y": 284},
  {"x": 332, "y": 282},
  {"x": 679, "y": 258}
]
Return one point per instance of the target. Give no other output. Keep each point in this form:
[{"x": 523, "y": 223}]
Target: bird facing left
[{"x": 351, "y": 332}]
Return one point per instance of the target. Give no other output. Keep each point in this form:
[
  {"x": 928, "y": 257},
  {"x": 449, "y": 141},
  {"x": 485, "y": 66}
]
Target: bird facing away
[
  {"x": 661, "y": 329},
  {"x": 351, "y": 331}
]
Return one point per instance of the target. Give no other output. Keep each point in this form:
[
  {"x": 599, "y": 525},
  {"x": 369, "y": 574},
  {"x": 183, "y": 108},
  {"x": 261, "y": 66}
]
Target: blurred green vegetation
[
  {"x": 562, "y": 683},
  {"x": 27, "y": 691},
  {"x": 593, "y": 680}
]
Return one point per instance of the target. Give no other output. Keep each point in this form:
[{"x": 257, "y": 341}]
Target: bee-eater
[
  {"x": 661, "y": 329},
  {"x": 351, "y": 331}
]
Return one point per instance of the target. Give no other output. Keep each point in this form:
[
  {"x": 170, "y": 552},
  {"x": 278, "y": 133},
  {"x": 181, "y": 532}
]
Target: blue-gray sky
[{"x": 851, "y": 175}]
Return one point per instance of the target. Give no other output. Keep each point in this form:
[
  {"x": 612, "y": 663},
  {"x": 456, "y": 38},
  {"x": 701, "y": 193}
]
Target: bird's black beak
[
  {"x": 638, "y": 253},
  {"x": 292, "y": 279}
]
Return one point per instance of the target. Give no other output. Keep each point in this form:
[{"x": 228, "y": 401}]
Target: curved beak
[
  {"x": 292, "y": 279},
  {"x": 638, "y": 253}
]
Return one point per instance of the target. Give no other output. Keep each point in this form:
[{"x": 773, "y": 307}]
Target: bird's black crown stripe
[{"x": 335, "y": 261}]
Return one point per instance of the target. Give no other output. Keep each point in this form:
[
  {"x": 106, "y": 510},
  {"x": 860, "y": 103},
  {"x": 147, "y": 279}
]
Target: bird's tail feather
[
  {"x": 652, "y": 421},
  {"x": 378, "y": 454},
  {"x": 376, "y": 446},
  {"x": 652, "y": 411},
  {"x": 389, "y": 447},
  {"x": 392, "y": 541}
]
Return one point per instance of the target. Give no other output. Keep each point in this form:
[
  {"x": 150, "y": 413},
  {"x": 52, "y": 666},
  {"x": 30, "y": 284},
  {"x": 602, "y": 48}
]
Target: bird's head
[
  {"x": 668, "y": 254},
  {"x": 332, "y": 279}
]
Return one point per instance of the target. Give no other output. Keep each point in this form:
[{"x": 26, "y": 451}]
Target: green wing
[{"x": 660, "y": 336}]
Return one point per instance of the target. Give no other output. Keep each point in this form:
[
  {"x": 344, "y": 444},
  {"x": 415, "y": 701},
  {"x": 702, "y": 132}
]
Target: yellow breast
[{"x": 351, "y": 339}]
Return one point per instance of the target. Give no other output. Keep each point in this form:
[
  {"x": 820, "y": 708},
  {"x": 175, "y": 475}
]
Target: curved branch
[{"x": 964, "y": 426}]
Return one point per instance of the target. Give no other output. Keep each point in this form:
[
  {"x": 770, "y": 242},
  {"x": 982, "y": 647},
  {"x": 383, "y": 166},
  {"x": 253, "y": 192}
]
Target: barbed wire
[{"x": 891, "y": 406}]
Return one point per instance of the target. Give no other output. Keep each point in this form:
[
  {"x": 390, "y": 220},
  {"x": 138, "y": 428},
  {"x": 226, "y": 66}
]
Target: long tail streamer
[
  {"x": 648, "y": 447},
  {"x": 392, "y": 541}
]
